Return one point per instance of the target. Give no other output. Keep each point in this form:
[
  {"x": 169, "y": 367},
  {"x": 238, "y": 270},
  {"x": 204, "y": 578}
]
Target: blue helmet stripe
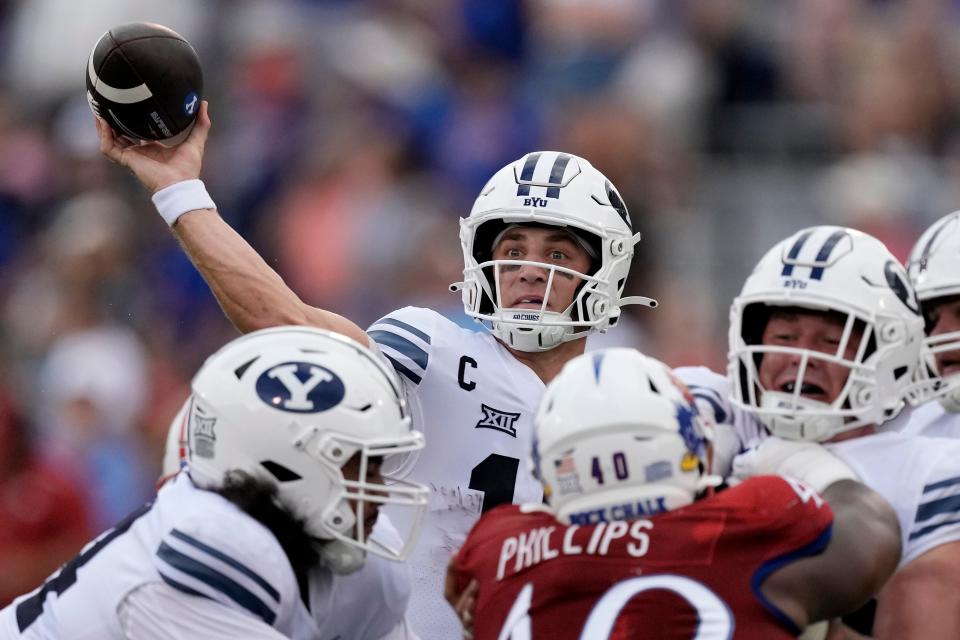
[
  {"x": 794, "y": 252},
  {"x": 527, "y": 174},
  {"x": 817, "y": 272},
  {"x": 556, "y": 175},
  {"x": 927, "y": 248}
]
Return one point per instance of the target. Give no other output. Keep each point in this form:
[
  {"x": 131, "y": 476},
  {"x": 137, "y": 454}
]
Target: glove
[{"x": 808, "y": 462}]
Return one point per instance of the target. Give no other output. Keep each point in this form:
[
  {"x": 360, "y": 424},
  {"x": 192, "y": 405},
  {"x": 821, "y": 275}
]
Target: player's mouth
[
  {"x": 528, "y": 302},
  {"x": 807, "y": 390},
  {"x": 949, "y": 363}
]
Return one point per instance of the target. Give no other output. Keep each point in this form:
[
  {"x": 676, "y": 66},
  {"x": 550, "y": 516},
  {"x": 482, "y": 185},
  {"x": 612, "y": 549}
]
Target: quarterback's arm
[
  {"x": 251, "y": 294},
  {"x": 922, "y": 600},
  {"x": 863, "y": 552},
  {"x": 158, "y": 612}
]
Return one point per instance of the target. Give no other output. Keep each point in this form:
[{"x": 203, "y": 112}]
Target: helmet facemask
[
  {"x": 342, "y": 525},
  {"x": 579, "y": 200},
  {"x": 293, "y": 405},
  {"x": 789, "y": 412},
  {"x": 934, "y": 271},
  {"x": 931, "y": 383},
  {"x": 839, "y": 278}
]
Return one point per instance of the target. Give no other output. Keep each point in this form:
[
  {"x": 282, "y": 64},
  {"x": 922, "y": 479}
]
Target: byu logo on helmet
[
  {"x": 300, "y": 387},
  {"x": 552, "y": 182},
  {"x": 824, "y": 258}
]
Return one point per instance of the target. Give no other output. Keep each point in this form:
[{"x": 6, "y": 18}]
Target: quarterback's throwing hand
[{"x": 154, "y": 165}]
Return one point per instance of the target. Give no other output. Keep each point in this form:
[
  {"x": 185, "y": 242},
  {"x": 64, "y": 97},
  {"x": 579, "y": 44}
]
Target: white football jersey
[
  {"x": 931, "y": 419},
  {"x": 736, "y": 430},
  {"x": 919, "y": 477},
  {"x": 192, "y": 546},
  {"x": 922, "y": 485},
  {"x": 475, "y": 404},
  {"x": 368, "y": 604}
]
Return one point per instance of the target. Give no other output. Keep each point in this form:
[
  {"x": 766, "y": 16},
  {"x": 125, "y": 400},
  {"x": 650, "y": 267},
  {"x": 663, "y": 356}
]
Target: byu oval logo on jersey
[{"x": 300, "y": 387}]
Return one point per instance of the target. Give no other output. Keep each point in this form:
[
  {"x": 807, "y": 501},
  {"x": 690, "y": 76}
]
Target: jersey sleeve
[
  {"x": 231, "y": 559},
  {"x": 936, "y": 520},
  {"x": 153, "y": 612},
  {"x": 711, "y": 392},
  {"x": 799, "y": 519},
  {"x": 405, "y": 339}
]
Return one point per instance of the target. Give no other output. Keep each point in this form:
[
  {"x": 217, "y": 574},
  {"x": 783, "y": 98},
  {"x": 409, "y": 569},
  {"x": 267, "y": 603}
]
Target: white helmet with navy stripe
[
  {"x": 834, "y": 269},
  {"x": 934, "y": 270},
  {"x": 292, "y": 405},
  {"x": 556, "y": 189},
  {"x": 617, "y": 437}
]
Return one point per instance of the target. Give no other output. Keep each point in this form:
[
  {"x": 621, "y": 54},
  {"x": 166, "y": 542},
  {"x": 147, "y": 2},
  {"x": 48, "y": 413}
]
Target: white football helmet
[
  {"x": 835, "y": 269},
  {"x": 617, "y": 437},
  {"x": 292, "y": 405},
  {"x": 934, "y": 270},
  {"x": 555, "y": 189}
]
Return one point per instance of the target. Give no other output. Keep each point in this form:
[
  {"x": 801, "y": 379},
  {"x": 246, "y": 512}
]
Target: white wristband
[{"x": 179, "y": 198}]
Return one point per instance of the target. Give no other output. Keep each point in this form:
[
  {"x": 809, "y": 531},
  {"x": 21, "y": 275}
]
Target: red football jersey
[{"x": 691, "y": 573}]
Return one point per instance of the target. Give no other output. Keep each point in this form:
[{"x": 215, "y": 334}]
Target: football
[{"x": 145, "y": 80}]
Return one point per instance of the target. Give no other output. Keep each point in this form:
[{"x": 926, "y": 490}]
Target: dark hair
[{"x": 258, "y": 498}]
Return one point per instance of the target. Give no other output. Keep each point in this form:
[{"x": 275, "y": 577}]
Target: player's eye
[{"x": 557, "y": 255}]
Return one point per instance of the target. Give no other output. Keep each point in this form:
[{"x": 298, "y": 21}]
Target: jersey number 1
[{"x": 496, "y": 476}]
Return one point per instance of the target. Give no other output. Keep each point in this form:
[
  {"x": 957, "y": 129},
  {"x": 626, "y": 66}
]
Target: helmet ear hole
[{"x": 280, "y": 472}]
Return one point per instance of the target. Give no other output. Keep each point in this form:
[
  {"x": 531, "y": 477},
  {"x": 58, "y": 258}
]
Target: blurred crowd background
[{"x": 350, "y": 135}]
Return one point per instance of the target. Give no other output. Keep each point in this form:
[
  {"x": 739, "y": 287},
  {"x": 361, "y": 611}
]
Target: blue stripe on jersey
[
  {"x": 766, "y": 569},
  {"x": 179, "y": 586},
  {"x": 402, "y": 345},
  {"x": 526, "y": 173},
  {"x": 933, "y": 527},
  {"x": 817, "y": 272},
  {"x": 216, "y": 580},
  {"x": 406, "y": 327},
  {"x": 704, "y": 393},
  {"x": 413, "y": 377},
  {"x": 941, "y": 484},
  {"x": 936, "y": 507},
  {"x": 794, "y": 252},
  {"x": 556, "y": 175},
  {"x": 219, "y": 555}
]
